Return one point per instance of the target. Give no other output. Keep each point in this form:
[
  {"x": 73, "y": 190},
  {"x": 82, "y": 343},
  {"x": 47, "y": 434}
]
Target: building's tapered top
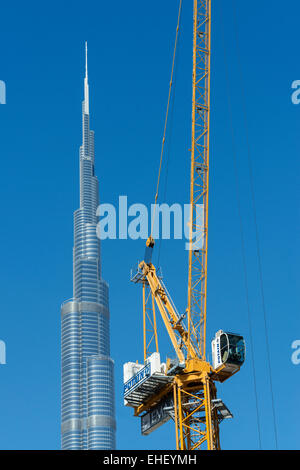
[
  {"x": 87, "y": 244},
  {"x": 86, "y": 84}
]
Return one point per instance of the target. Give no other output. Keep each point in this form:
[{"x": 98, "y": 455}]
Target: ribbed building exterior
[{"x": 88, "y": 409}]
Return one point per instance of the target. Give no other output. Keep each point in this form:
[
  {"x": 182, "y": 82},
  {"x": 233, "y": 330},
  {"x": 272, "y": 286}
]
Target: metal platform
[
  {"x": 141, "y": 393},
  {"x": 224, "y": 372},
  {"x": 222, "y": 410}
]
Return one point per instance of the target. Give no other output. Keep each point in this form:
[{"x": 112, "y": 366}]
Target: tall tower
[{"x": 88, "y": 410}]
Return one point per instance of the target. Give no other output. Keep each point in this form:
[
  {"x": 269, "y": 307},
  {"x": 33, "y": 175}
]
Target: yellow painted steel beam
[
  {"x": 150, "y": 337},
  {"x": 196, "y": 424},
  {"x": 169, "y": 315},
  {"x": 197, "y": 271}
]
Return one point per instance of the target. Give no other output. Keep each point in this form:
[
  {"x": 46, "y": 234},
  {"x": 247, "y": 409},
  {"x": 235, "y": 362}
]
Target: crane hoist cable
[
  {"x": 167, "y": 115},
  {"x": 169, "y": 138},
  {"x": 258, "y": 251},
  {"x": 237, "y": 186}
]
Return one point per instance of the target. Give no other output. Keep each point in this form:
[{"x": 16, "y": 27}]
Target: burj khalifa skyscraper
[{"x": 88, "y": 409}]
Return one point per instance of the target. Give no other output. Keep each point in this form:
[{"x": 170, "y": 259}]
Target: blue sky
[{"x": 130, "y": 48}]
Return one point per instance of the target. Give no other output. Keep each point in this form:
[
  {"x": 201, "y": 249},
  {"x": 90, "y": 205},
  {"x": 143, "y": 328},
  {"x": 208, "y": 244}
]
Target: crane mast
[
  {"x": 197, "y": 273},
  {"x": 187, "y": 384}
]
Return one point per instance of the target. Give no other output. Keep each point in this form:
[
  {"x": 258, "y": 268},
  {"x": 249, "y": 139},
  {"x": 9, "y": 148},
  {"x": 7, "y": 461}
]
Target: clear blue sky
[{"x": 130, "y": 47}]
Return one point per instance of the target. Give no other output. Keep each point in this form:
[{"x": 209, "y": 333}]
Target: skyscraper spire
[
  {"x": 86, "y": 84},
  {"x": 86, "y": 63}
]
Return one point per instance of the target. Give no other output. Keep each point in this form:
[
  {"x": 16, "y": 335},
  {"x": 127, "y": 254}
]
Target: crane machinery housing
[{"x": 184, "y": 389}]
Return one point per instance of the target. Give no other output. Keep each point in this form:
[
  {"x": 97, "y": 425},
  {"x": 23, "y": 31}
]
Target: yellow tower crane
[{"x": 184, "y": 389}]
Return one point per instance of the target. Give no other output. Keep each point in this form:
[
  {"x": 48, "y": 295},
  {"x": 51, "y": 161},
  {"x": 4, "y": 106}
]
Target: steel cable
[
  {"x": 234, "y": 154},
  {"x": 258, "y": 250},
  {"x": 167, "y": 114}
]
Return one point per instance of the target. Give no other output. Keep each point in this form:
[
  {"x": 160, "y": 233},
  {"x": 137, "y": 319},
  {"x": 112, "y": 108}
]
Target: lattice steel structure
[
  {"x": 196, "y": 420},
  {"x": 199, "y": 182},
  {"x": 188, "y": 381}
]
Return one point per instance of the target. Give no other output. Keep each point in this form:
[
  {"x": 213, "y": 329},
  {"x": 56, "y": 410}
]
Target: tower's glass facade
[{"x": 88, "y": 413}]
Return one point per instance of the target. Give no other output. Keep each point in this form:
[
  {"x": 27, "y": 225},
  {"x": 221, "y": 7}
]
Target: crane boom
[{"x": 173, "y": 323}]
